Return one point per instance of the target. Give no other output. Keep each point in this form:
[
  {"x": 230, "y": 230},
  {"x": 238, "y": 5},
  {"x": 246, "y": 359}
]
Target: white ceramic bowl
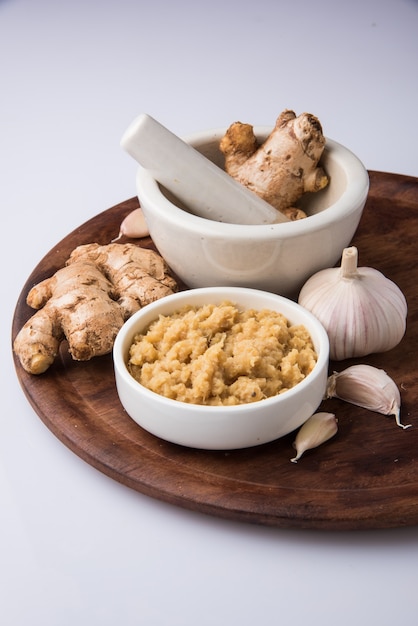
[
  {"x": 278, "y": 257},
  {"x": 225, "y": 427}
]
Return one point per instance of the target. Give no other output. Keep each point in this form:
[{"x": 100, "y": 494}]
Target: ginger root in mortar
[{"x": 285, "y": 166}]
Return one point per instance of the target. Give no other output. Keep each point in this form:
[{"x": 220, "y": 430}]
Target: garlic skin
[
  {"x": 316, "y": 430},
  {"x": 368, "y": 387},
  {"x": 362, "y": 311}
]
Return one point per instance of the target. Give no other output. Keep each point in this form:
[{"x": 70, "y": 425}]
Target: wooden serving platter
[{"x": 364, "y": 478}]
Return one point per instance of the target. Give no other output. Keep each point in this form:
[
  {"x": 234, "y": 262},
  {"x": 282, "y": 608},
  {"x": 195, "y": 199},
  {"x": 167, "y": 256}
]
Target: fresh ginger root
[
  {"x": 76, "y": 303},
  {"x": 138, "y": 275},
  {"x": 87, "y": 302},
  {"x": 284, "y": 167}
]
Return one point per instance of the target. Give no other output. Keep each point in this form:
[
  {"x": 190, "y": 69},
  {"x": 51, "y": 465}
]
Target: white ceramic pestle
[{"x": 203, "y": 187}]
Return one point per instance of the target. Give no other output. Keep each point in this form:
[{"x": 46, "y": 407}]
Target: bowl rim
[
  {"x": 355, "y": 194},
  {"x": 128, "y": 331}
]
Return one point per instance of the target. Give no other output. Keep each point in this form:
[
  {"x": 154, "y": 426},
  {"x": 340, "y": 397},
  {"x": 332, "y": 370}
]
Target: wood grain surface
[{"x": 364, "y": 478}]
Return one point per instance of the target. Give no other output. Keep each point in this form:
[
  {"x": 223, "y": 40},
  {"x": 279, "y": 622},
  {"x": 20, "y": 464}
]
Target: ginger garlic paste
[{"x": 221, "y": 355}]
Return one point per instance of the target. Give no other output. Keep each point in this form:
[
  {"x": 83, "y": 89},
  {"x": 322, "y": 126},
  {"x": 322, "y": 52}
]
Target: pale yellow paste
[{"x": 220, "y": 355}]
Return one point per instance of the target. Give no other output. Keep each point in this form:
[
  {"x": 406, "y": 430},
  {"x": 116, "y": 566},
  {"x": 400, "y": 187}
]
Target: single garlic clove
[
  {"x": 316, "y": 430},
  {"x": 134, "y": 226},
  {"x": 368, "y": 387},
  {"x": 362, "y": 311}
]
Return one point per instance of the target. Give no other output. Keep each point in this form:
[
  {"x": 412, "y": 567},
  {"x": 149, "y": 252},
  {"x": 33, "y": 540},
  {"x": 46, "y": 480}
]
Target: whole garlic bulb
[{"x": 362, "y": 311}]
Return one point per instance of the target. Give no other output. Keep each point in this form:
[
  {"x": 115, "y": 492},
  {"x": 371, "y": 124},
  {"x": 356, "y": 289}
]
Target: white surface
[{"x": 76, "y": 547}]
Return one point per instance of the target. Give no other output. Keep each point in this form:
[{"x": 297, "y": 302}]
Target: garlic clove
[
  {"x": 362, "y": 311},
  {"x": 134, "y": 226},
  {"x": 368, "y": 387},
  {"x": 316, "y": 430}
]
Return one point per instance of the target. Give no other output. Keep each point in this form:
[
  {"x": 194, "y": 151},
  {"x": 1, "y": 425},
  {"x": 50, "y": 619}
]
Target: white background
[{"x": 75, "y": 546}]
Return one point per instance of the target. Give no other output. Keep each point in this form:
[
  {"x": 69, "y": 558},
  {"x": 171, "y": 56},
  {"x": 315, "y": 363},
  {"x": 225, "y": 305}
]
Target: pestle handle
[{"x": 206, "y": 189}]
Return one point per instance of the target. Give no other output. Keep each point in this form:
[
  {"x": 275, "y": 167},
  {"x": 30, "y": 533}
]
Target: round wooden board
[{"x": 364, "y": 478}]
